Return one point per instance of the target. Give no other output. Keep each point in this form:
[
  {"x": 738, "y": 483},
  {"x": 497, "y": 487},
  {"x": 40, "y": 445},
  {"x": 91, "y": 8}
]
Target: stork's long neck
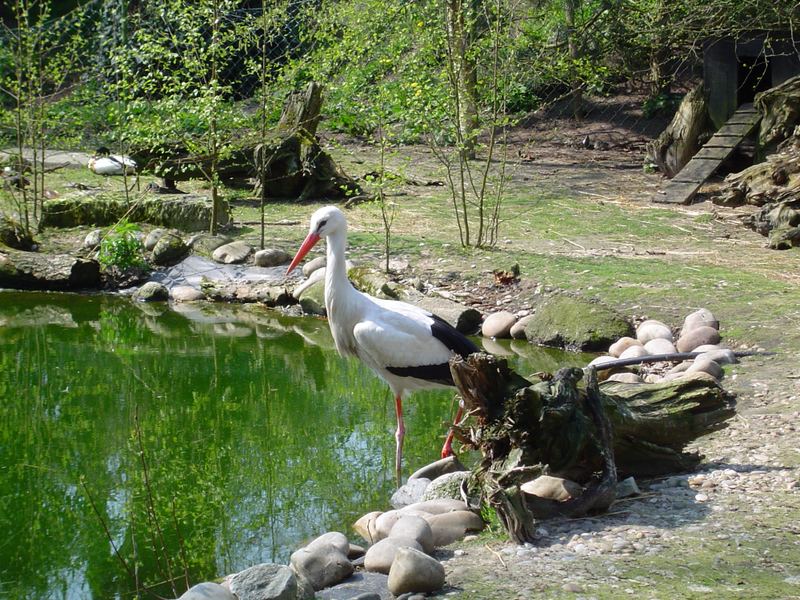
[{"x": 341, "y": 298}]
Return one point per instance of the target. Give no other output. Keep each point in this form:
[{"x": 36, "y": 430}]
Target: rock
[
  {"x": 451, "y": 464},
  {"x": 213, "y": 591},
  {"x": 415, "y": 571},
  {"x": 379, "y": 557},
  {"x": 322, "y": 567},
  {"x": 384, "y": 523},
  {"x": 680, "y": 367},
  {"x": 699, "y": 318},
  {"x": 721, "y": 356},
  {"x": 659, "y": 346},
  {"x": 314, "y": 264},
  {"x": 518, "y": 329},
  {"x": 333, "y": 539},
  {"x": 622, "y": 344},
  {"x": 366, "y": 526},
  {"x": 653, "y": 330},
  {"x": 186, "y": 293},
  {"x": 697, "y": 337},
  {"x": 271, "y": 257},
  {"x": 634, "y": 351},
  {"x": 498, "y": 325},
  {"x": 600, "y": 360},
  {"x": 151, "y": 291},
  {"x": 359, "y": 586},
  {"x": 316, "y": 276},
  {"x": 355, "y": 551},
  {"x": 552, "y": 488},
  {"x": 232, "y": 253},
  {"x": 92, "y": 239},
  {"x": 435, "y": 507},
  {"x": 169, "y": 249},
  {"x": 446, "y": 486},
  {"x": 452, "y": 526},
  {"x": 416, "y": 528},
  {"x": 706, "y": 365},
  {"x": 205, "y": 243},
  {"x": 410, "y": 492},
  {"x": 465, "y": 319},
  {"x": 312, "y": 298},
  {"x": 265, "y": 582},
  {"x": 625, "y": 378},
  {"x": 151, "y": 239},
  {"x": 575, "y": 324},
  {"x": 627, "y": 487}
]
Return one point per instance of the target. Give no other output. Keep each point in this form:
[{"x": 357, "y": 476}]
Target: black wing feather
[{"x": 450, "y": 337}]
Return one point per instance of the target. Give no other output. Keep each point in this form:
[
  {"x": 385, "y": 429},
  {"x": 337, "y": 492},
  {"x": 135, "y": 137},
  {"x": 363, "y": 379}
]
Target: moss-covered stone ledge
[{"x": 189, "y": 212}]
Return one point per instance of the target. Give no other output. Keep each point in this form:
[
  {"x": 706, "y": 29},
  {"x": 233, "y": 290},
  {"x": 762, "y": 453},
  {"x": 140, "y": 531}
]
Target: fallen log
[
  {"x": 34, "y": 271},
  {"x": 568, "y": 425}
]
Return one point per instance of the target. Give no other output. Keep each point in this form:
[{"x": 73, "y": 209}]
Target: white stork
[
  {"x": 105, "y": 163},
  {"x": 406, "y": 346}
]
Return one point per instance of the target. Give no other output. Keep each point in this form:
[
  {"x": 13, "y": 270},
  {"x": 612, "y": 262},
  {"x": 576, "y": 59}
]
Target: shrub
[{"x": 121, "y": 248}]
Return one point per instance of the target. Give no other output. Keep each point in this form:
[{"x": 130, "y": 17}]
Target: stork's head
[{"x": 326, "y": 221}]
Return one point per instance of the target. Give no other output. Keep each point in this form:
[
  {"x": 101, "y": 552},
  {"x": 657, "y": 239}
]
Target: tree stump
[
  {"x": 684, "y": 136},
  {"x": 569, "y": 426},
  {"x": 292, "y": 164}
]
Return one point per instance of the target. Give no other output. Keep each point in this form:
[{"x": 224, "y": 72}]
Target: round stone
[
  {"x": 271, "y": 257},
  {"x": 517, "y": 330},
  {"x": 498, "y": 325},
  {"x": 621, "y": 345},
  {"x": 699, "y": 318},
  {"x": 415, "y": 571},
  {"x": 652, "y": 330},
  {"x": 698, "y": 336},
  {"x": 659, "y": 346},
  {"x": 380, "y": 556},
  {"x": 634, "y": 351}
]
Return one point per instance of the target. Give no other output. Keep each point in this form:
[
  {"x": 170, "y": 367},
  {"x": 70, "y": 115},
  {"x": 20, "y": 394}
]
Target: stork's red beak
[{"x": 308, "y": 243}]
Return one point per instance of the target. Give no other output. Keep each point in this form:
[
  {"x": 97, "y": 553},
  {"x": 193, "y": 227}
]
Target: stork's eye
[{"x": 322, "y": 224}]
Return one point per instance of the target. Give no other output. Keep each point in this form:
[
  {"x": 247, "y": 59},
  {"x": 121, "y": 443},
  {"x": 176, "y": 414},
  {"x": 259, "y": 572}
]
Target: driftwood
[
  {"x": 33, "y": 271},
  {"x": 292, "y": 164},
  {"x": 684, "y": 136},
  {"x": 569, "y": 426},
  {"x": 780, "y": 113}
]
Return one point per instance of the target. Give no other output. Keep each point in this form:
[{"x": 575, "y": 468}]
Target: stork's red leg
[
  {"x": 447, "y": 449},
  {"x": 399, "y": 436}
]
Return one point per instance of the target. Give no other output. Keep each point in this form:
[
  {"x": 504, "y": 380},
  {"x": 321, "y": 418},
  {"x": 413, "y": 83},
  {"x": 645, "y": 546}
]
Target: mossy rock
[
  {"x": 187, "y": 213},
  {"x": 312, "y": 300},
  {"x": 169, "y": 249},
  {"x": 371, "y": 282},
  {"x": 576, "y": 324}
]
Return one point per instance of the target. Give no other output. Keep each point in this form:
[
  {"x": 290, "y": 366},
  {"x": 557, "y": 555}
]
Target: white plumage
[
  {"x": 112, "y": 164},
  {"x": 407, "y": 346}
]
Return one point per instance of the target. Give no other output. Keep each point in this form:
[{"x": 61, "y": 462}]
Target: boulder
[
  {"x": 415, "y": 571},
  {"x": 452, "y": 526},
  {"x": 652, "y": 330},
  {"x": 517, "y": 331},
  {"x": 704, "y": 334},
  {"x": 312, "y": 298},
  {"x": 209, "y": 590},
  {"x": 622, "y": 344},
  {"x": 312, "y": 265},
  {"x": 446, "y": 486},
  {"x": 659, "y": 346},
  {"x": 379, "y": 557},
  {"x": 271, "y": 257},
  {"x": 34, "y": 271},
  {"x": 205, "y": 243},
  {"x": 151, "y": 239},
  {"x": 634, "y": 351},
  {"x": 331, "y": 539},
  {"x": 265, "y": 582},
  {"x": 321, "y": 567},
  {"x": 384, "y": 523},
  {"x": 416, "y": 528},
  {"x": 451, "y": 464},
  {"x": 185, "y": 293},
  {"x": 365, "y": 526},
  {"x": 151, "y": 291},
  {"x": 706, "y": 365},
  {"x": 435, "y": 507},
  {"x": 465, "y": 319},
  {"x": 699, "y": 318},
  {"x": 92, "y": 239},
  {"x": 359, "y": 586},
  {"x": 498, "y": 325},
  {"x": 232, "y": 253},
  {"x": 625, "y": 378},
  {"x": 576, "y": 324},
  {"x": 169, "y": 249},
  {"x": 628, "y": 487},
  {"x": 410, "y": 492},
  {"x": 552, "y": 488}
]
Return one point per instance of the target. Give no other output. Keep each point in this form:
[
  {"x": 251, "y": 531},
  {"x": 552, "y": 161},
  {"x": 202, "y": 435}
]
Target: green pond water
[{"x": 192, "y": 442}]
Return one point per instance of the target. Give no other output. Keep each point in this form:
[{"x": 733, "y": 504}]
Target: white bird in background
[
  {"x": 407, "y": 346},
  {"x": 105, "y": 163}
]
